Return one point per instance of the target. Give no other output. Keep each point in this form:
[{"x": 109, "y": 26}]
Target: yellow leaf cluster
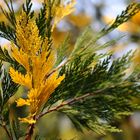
[
  {"x": 21, "y": 79},
  {"x": 59, "y": 11},
  {"x": 27, "y": 34},
  {"x": 38, "y": 60}
]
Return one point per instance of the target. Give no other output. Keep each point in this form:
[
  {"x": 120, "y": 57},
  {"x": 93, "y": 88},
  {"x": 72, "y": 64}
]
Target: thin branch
[
  {"x": 30, "y": 132},
  {"x": 57, "y": 68},
  {"x": 69, "y": 102}
]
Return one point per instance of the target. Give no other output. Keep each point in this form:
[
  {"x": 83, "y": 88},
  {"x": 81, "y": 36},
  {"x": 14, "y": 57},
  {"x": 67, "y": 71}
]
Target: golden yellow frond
[
  {"x": 45, "y": 46},
  {"x": 18, "y": 78},
  {"x": 33, "y": 99},
  {"x": 22, "y": 102},
  {"x": 49, "y": 64},
  {"x": 38, "y": 97},
  {"x": 50, "y": 85},
  {"x": 28, "y": 120},
  {"x": 41, "y": 66},
  {"x": 21, "y": 57},
  {"x": 61, "y": 11},
  {"x": 27, "y": 34},
  {"x": 38, "y": 60}
]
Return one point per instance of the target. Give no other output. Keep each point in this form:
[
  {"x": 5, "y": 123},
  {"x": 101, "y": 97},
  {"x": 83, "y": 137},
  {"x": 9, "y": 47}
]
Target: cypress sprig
[{"x": 92, "y": 89}]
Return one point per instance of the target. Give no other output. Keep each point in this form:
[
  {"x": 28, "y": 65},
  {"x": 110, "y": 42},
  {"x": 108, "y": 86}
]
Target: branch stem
[
  {"x": 68, "y": 102},
  {"x": 30, "y": 132}
]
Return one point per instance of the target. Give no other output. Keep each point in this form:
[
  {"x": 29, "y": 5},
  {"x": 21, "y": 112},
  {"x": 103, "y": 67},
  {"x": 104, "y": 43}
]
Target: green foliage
[
  {"x": 4, "y": 55},
  {"x": 7, "y": 32},
  {"x": 101, "y": 93},
  {"x": 109, "y": 94},
  {"x": 127, "y": 14},
  {"x": 44, "y": 25},
  {"x": 27, "y": 8},
  {"x": 7, "y": 89},
  {"x": 41, "y": 21},
  {"x": 63, "y": 50},
  {"x": 17, "y": 130}
]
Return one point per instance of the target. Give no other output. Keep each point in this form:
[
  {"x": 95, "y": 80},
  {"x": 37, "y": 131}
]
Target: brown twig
[
  {"x": 30, "y": 132},
  {"x": 68, "y": 102}
]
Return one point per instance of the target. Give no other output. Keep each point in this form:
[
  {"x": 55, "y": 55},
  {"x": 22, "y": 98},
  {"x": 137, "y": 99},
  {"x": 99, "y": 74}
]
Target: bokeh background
[{"x": 97, "y": 14}]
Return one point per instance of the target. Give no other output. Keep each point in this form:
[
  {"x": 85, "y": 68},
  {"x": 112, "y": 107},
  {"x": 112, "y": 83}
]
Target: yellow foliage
[
  {"x": 136, "y": 19},
  {"x": 38, "y": 60},
  {"x": 21, "y": 57},
  {"x": 28, "y": 120},
  {"x": 79, "y": 20},
  {"x": 58, "y": 37},
  {"x": 22, "y": 102},
  {"x": 27, "y": 35},
  {"x": 59, "y": 11},
  {"x": 18, "y": 78}
]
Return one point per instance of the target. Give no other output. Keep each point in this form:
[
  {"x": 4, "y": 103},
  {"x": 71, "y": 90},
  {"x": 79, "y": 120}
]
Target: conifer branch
[
  {"x": 128, "y": 13},
  {"x": 69, "y": 102},
  {"x": 85, "y": 84}
]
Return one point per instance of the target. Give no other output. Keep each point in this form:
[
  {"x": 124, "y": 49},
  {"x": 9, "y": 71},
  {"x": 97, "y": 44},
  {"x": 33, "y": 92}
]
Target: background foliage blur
[{"x": 96, "y": 13}]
